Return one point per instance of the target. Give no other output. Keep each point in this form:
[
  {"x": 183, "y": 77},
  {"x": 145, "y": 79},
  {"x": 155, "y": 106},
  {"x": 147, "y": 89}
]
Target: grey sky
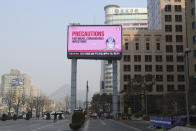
[{"x": 33, "y": 39}]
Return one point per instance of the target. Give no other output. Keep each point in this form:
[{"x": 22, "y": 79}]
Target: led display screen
[{"x": 94, "y": 42}]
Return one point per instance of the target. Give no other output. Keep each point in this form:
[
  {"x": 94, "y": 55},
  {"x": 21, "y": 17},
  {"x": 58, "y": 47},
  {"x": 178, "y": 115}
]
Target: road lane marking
[
  {"x": 103, "y": 123},
  {"x": 86, "y": 125},
  {"x": 127, "y": 126}
]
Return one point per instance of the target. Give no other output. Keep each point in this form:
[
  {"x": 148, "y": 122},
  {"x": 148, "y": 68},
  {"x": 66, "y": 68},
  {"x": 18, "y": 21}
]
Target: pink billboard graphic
[{"x": 94, "y": 40}]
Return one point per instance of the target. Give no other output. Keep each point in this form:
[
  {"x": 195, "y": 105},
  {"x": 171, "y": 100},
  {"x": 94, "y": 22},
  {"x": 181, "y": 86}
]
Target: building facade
[
  {"x": 14, "y": 79},
  {"x": 35, "y": 91},
  {"x": 143, "y": 54},
  {"x": 175, "y": 31},
  {"x": 130, "y": 19},
  {"x": 191, "y": 33}
]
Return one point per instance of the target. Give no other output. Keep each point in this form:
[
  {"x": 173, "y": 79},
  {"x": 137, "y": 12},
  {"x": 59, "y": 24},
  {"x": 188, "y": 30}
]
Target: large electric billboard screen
[{"x": 94, "y": 42}]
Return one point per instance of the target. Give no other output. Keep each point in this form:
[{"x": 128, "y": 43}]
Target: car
[{"x": 93, "y": 115}]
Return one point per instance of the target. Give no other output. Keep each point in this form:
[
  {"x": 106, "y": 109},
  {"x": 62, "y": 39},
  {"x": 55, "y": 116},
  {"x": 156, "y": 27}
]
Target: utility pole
[{"x": 87, "y": 97}]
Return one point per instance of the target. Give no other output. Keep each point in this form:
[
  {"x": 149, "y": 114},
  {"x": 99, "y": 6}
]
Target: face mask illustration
[{"x": 110, "y": 44}]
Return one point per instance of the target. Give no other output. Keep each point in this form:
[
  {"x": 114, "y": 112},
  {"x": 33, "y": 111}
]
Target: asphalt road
[
  {"x": 112, "y": 125},
  {"x": 63, "y": 125}
]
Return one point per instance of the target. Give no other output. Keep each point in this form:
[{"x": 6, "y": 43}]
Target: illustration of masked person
[{"x": 110, "y": 44}]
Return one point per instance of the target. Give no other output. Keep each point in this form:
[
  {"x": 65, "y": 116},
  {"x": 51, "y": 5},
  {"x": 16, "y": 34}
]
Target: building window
[
  {"x": 168, "y": 18},
  {"x": 126, "y": 46},
  {"x": 170, "y": 68},
  {"x": 158, "y": 46},
  {"x": 159, "y": 88},
  {"x": 168, "y": 38},
  {"x": 180, "y": 58},
  {"x": 125, "y": 86},
  {"x": 194, "y": 25},
  {"x": 194, "y": 53},
  {"x": 148, "y": 77},
  {"x": 127, "y": 77},
  {"x": 169, "y": 48},
  {"x": 194, "y": 39},
  {"x": 168, "y": 28},
  {"x": 137, "y": 76},
  {"x": 181, "y": 87},
  {"x": 137, "y": 67},
  {"x": 179, "y": 48},
  {"x": 159, "y": 68},
  {"x": 137, "y": 58},
  {"x": 180, "y": 68},
  {"x": 170, "y": 87},
  {"x": 178, "y": 18},
  {"x": 167, "y": 8},
  {"x": 147, "y": 46},
  {"x": 179, "y": 38},
  {"x": 158, "y": 58},
  {"x": 178, "y": 28},
  {"x": 178, "y": 8},
  {"x": 169, "y": 58},
  {"x": 159, "y": 78},
  {"x": 193, "y": 11},
  {"x": 127, "y": 68},
  {"x": 148, "y": 58},
  {"x": 136, "y": 46},
  {"x": 127, "y": 58},
  {"x": 170, "y": 78},
  {"x": 167, "y": 1},
  {"x": 148, "y": 68},
  {"x": 177, "y": 0},
  {"x": 180, "y": 77}
]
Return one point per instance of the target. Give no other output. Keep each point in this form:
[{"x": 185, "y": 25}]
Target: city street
[{"x": 63, "y": 125}]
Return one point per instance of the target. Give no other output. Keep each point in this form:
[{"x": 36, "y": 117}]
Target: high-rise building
[
  {"x": 156, "y": 51},
  {"x": 14, "y": 79},
  {"x": 130, "y": 19}
]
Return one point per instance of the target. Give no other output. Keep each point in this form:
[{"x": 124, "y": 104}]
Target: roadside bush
[
  {"x": 27, "y": 116},
  {"x": 77, "y": 120},
  {"x": 48, "y": 116},
  {"x": 4, "y": 117},
  {"x": 15, "y": 117}
]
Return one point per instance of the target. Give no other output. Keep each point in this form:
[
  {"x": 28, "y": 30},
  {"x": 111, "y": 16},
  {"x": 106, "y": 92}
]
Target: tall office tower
[
  {"x": 191, "y": 42},
  {"x": 176, "y": 29},
  {"x": 130, "y": 19},
  {"x": 15, "y": 79}
]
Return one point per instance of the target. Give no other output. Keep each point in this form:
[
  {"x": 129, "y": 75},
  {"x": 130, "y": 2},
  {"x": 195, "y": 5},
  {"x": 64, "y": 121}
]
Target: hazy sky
[{"x": 33, "y": 39}]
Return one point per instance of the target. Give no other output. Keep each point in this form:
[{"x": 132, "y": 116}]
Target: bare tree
[{"x": 10, "y": 101}]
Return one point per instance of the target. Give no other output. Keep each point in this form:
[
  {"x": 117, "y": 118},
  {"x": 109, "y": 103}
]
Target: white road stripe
[
  {"x": 86, "y": 125},
  {"x": 102, "y": 122}
]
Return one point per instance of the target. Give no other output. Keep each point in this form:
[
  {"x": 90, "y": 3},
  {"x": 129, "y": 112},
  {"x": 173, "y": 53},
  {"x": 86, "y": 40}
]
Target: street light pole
[
  {"x": 87, "y": 97},
  {"x": 187, "y": 85},
  {"x": 185, "y": 55}
]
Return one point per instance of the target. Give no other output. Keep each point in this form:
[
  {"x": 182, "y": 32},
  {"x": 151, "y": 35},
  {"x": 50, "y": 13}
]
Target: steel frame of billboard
[{"x": 97, "y": 57}]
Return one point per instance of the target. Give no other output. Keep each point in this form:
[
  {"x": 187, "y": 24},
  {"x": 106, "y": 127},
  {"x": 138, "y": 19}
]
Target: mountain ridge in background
[{"x": 65, "y": 90}]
